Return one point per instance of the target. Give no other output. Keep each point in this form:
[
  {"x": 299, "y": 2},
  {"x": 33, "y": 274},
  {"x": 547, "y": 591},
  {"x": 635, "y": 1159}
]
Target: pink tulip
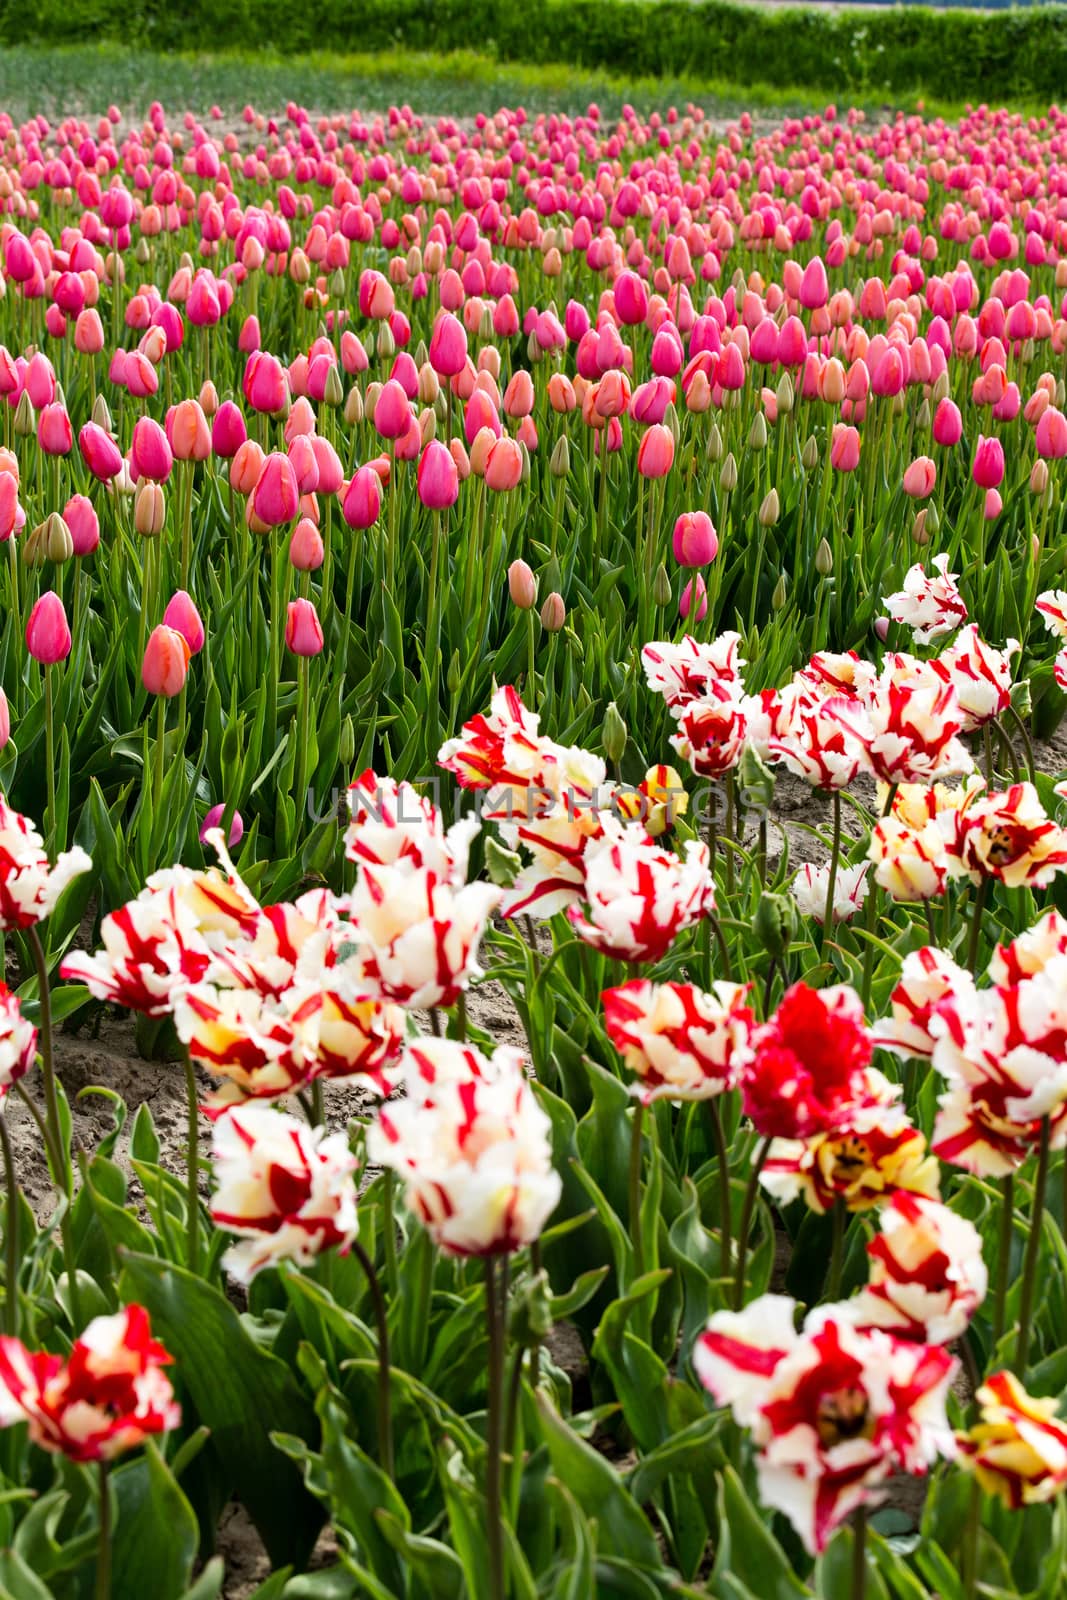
[
  {"x": 437, "y": 479},
  {"x": 522, "y": 585},
  {"x": 948, "y": 424},
  {"x": 1051, "y": 434},
  {"x": 694, "y": 593},
  {"x": 84, "y": 525},
  {"x": 150, "y": 452},
  {"x": 89, "y": 333},
  {"x": 166, "y": 662},
  {"x": 987, "y": 468},
  {"x": 814, "y": 289},
  {"x": 55, "y": 434},
  {"x": 303, "y": 630},
  {"x": 695, "y": 541},
  {"x": 265, "y": 384},
  {"x": 228, "y": 430},
  {"x": 214, "y": 819},
  {"x": 9, "y": 506},
  {"x": 47, "y": 634},
  {"x": 392, "y": 414},
  {"x": 5, "y": 720},
  {"x": 920, "y": 476},
  {"x": 188, "y": 431},
  {"x": 306, "y": 549},
  {"x": 362, "y": 503},
  {"x": 448, "y": 346},
  {"x": 503, "y": 468},
  {"x": 276, "y": 496},
  {"x": 993, "y": 505},
  {"x": 631, "y": 299},
  {"x": 100, "y": 452},
  {"x": 844, "y": 448},
  {"x": 181, "y": 615},
  {"x": 655, "y": 453}
]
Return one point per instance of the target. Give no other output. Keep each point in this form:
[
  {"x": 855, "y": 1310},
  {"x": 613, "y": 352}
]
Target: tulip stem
[
  {"x": 385, "y": 1408},
  {"x": 1033, "y": 1246},
  {"x": 193, "y": 1165},
  {"x": 50, "y": 758},
  {"x": 157, "y": 775},
  {"x": 831, "y": 882},
  {"x": 747, "y": 1209},
  {"x": 531, "y": 649},
  {"x": 636, "y": 1126},
  {"x": 719, "y": 1143},
  {"x": 1007, "y": 1222},
  {"x": 970, "y": 1542},
  {"x": 720, "y": 941},
  {"x": 61, "y": 1161},
  {"x": 102, "y": 1590},
  {"x": 494, "y": 1316},
  {"x": 389, "y": 1231},
  {"x": 11, "y": 1234},
  {"x": 859, "y": 1554},
  {"x": 976, "y": 925}
]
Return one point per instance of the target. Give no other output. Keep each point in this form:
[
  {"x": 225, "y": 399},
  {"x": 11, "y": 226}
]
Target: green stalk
[
  {"x": 494, "y": 1316},
  {"x": 192, "y": 1166},
  {"x": 1007, "y": 1221},
  {"x": 749, "y": 1206},
  {"x": 102, "y": 1587},
  {"x": 636, "y": 1125},
  {"x": 719, "y": 1145},
  {"x": 11, "y": 1234},
  {"x": 1033, "y": 1245},
  {"x": 385, "y": 1409}
]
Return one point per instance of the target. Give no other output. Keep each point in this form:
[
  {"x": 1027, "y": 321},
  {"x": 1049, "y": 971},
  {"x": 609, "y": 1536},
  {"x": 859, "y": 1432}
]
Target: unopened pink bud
[
  {"x": 181, "y": 615},
  {"x": 306, "y": 549},
  {"x": 166, "y": 662},
  {"x": 303, "y": 630},
  {"x": 696, "y": 594},
  {"x": 522, "y": 585},
  {"x": 214, "y": 820}
]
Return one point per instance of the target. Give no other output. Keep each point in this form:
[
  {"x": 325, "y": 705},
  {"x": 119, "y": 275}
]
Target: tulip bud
[
  {"x": 713, "y": 448},
  {"x": 333, "y": 390},
  {"x": 809, "y": 456},
  {"x": 32, "y": 547},
  {"x": 920, "y": 532},
  {"x": 785, "y": 395},
  {"x": 230, "y": 749},
  {"x": 661, "y": 587},
  {"x": 354, "y": 410},
  {"x": 728, "y": 474},
  {"x": 941, "y": 389},
  {"x": 755, "y": 780},
  {"x": 102, "y": 414},
  {"x": 922, "y": 416},
  {"x": 386, "y": 342},
  {"x": 1039, "y": 478},
  {"x": 757, "y": 434},
  {"x": 769, "y": 509},
  {"x": 560, "y": 461},
  {"x": 1021, "y": 699},
  {"x": 455, "y": 673},
  {"x": 824, "y": 559},
  {"x": 553, "y": 613},
  {"x": 502, "y": 865},
  {"x": 24, "y": 421},
  {"x": 58, "y": 544},
  {"x": 778, "y": 598},
  {"x": 522, "y": 585},
  {"x": 775, "y": 923},
  {"x": 149, "y": 510},
  {"x": 615, "y": 734},
  {"x": 346, "y": 744}
]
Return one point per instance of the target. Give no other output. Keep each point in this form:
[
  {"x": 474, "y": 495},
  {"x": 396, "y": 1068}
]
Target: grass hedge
[{"x": 948, "y": 54}]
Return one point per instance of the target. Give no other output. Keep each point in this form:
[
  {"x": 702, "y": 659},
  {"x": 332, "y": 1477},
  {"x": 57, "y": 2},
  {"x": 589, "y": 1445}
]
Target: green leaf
[
  {"x": 18, "y": 1581},
  {"x": 241, "y": 1392},
  {"x": 748, "y": 1550},
  {"x": 598, "y": 1489},
  {"x": 156, "y": 1533}
]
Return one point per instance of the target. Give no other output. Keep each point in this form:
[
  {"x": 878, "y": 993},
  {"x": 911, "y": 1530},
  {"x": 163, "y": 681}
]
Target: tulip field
[{"x": 533, "y": 650}]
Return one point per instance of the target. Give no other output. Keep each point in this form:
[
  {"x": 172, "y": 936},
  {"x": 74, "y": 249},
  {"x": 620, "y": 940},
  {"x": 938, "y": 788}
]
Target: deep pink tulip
[
  {"x": 150, "y": 452},
  {"x": 844, "y": 448},
  {"x": 331, "y": 473},
  {"x": 392, "y": 414},
  {"x": 987, "y": 469},
  {"x": 47, "y": 634},
  {"x": 5, "y": 720},
  {"x": 214, "y": 819},
  {"x": 448, "y": 346},
  {"x": 362, "y": 503},
  {"x": 228, "y": 430},
  {"x": 948, "y": 424},
  {"x": 100, "y": 452}
]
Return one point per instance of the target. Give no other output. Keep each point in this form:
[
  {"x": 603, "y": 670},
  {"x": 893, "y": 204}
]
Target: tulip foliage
[{"x": 607, "y": 579}]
